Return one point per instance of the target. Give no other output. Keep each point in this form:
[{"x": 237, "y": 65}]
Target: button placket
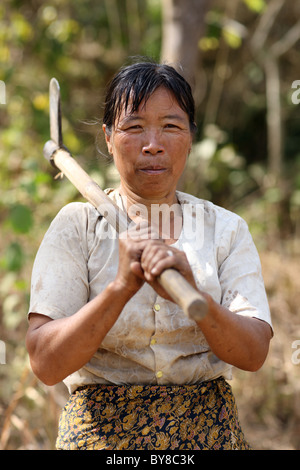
[{"x": 157, "y": 308}]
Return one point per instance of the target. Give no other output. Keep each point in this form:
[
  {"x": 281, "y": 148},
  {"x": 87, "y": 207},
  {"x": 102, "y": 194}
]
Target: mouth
[{"x": 153, "y": 170}]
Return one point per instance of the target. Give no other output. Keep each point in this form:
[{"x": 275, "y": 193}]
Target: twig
[{"x": 14, "y": 401}]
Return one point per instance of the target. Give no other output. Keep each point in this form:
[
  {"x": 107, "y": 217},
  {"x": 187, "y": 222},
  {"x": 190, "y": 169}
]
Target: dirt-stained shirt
[{"x": 153, "y": 341}]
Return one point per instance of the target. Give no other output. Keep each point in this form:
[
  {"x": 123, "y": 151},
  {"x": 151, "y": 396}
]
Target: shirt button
[
  {"x": 157, "y": 307},
  {"x": 159, "y": 374}
]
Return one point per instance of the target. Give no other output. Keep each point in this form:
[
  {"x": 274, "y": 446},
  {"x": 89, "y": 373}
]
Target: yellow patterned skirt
[{"x": 151, "y": 417}]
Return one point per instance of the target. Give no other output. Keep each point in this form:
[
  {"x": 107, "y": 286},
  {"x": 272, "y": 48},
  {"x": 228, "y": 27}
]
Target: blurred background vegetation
[{"x": 242, "y": 58}]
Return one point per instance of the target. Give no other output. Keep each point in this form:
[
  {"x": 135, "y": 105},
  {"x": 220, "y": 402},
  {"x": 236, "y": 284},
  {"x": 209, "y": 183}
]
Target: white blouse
[{"x": 153, "y": 341}]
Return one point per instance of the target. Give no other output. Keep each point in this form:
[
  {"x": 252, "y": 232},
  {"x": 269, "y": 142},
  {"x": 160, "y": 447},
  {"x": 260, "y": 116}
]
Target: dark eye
[{"x": 134, "y": 128}]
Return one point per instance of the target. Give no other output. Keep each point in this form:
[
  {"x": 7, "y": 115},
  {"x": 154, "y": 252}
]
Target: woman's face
[{"x": 150, "y": 147}]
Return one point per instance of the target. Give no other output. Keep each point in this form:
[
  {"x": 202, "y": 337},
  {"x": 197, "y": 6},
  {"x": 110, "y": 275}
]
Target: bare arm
[
  {"x": 58, "y": 348},
  {"x": 235, "y": 339}
]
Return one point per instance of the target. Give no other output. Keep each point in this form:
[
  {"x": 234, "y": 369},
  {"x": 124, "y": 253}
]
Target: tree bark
[
  {"x": 183, "y": 26},
  {"x": 274, "y": 115}
]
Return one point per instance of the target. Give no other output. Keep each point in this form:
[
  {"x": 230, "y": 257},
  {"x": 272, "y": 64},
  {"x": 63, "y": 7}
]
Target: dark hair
[{"x": 135, "y": 83}]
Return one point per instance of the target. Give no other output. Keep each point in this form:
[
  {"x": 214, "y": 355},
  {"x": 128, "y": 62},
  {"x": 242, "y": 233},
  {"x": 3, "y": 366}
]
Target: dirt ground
[{"x": 269, "y": 400}]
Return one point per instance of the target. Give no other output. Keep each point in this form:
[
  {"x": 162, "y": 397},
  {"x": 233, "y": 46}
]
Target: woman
[{"x": 141, "y": 375}]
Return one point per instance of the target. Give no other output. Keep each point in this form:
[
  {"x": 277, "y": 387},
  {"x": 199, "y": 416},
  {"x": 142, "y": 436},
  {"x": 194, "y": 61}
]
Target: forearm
[
  {"x": 235, "y": 339},
  {"x": 60, "y": 347}
]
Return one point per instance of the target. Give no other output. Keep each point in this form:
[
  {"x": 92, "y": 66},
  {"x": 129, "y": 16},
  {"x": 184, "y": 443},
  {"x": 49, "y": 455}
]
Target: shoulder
[
  {"x": 213, "y": 214},
  {"x": 75, "y": 210},
  {"x": 77, "y": 215},
  {"x": 80, "y": 212},
  {"x": 81, "y": 220},
  {"x": 220, "y": 227}
]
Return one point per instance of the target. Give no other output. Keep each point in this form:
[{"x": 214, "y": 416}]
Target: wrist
[
  {"x": 118, "y": 288},
  {"x": 210, "y": 306}
]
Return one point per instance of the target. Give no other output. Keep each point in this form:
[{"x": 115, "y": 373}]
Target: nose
[{"x": 152, "y": 144}]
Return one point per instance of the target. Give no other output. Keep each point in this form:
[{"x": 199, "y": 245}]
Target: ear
[{"x": 108, "y": 139}]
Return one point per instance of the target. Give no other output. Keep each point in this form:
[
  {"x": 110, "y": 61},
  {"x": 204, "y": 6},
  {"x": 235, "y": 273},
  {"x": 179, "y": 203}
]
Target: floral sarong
[{"x": 151, "y": 417}]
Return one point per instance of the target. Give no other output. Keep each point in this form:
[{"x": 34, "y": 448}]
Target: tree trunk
[
  {"x": 183, "y": 26},
  {"x": 274, "y": 115}
]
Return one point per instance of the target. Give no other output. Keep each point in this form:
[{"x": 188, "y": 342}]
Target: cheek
[
  {"x": 126, "y": 146},
  {"x": 179, "y": 149},
  {"x": 125, "y": 152}
]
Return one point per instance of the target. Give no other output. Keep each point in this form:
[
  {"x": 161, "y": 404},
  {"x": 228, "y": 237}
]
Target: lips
[{"x": 153, "y": 170}]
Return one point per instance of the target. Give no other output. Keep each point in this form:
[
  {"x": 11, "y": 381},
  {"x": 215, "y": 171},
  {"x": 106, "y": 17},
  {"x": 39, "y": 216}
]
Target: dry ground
[{"x": 269, "y": 400}]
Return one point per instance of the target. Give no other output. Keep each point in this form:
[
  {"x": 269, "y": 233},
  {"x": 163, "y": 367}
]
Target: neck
[
  {"x": 132, "y": 198},
  {"x": 162, "y": 213}
]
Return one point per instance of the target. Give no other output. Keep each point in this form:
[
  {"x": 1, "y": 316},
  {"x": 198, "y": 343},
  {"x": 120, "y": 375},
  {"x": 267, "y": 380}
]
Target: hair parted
[{"x": 135, "y": 83}]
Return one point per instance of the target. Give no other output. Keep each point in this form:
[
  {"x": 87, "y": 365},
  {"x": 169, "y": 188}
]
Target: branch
[
  {"x": 265, "y": 24},
  {"x": 282, "y": 46}
]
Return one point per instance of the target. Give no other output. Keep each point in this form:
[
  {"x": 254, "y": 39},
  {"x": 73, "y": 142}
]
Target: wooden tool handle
[{"x": 189, "y": 299}]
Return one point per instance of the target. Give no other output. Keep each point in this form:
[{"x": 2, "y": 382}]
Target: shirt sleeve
[
  {"x": 240, "y": 274},
  {"x": 59, "y": 282}
]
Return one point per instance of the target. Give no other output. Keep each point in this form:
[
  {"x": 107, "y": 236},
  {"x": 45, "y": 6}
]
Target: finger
[
  {"x": 156, "y": 249},
  {"x": 164, "y": 263},
  {"x": 156, "y": 259}
]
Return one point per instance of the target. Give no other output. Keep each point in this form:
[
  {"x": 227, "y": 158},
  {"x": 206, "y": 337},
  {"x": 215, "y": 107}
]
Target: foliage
[{"x": 82, "y": 43}]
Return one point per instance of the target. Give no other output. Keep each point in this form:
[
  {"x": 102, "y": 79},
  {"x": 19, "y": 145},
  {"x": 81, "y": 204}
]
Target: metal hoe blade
[
  {"x": 56, "y": 140},
  {"x": 55, "y": 113}
]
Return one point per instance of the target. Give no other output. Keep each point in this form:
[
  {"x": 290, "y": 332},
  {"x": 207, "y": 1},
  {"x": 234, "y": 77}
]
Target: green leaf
[
  {"x": 13, "y": 258},
  {"x": 21, "y": 218},
  {"x": 256, "y": 5}
]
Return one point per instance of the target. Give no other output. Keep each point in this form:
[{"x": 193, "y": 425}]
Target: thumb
[{"x": 136, "y": 269}]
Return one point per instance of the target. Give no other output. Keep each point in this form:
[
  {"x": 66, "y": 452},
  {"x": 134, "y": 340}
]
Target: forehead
[{"x": 161, "y": 101}]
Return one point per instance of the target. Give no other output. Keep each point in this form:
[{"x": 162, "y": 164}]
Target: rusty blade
[{"x": 55, "y": 113}]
